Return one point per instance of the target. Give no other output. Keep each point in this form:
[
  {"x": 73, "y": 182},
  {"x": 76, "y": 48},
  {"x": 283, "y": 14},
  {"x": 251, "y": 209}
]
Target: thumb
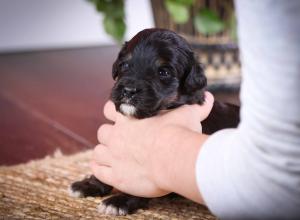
[
  {"x": 194, "y": 113},
  {"x": 204, "y": 109}
]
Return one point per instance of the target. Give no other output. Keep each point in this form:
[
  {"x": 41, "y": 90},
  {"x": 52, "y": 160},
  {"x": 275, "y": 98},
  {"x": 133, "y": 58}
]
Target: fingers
[
  {"x": 103, "y": 133},
  {"x": 209, "y": 98},
  {"x": 207, "y": 105},
  {"x": 103, "y": 173},
  {"x": 196, "y": 113},
  {"x": 101, "y": 164},
  {"x": 110, "y": 111},
  {"x": 200, "y": 112},
  {"x": 102, "y": 156}
]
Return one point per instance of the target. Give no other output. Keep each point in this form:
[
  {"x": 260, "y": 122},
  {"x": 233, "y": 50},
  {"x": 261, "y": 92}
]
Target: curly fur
[
  {"x": 139, "y": 66},
  {"x": 155, "y": 70}
]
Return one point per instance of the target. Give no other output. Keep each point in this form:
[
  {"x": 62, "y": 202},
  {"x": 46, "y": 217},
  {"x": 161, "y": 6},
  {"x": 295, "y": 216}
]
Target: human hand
[{"x": 133, "y": 154}]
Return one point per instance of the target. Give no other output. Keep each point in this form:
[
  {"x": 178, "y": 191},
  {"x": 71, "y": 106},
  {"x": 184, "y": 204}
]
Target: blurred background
[
  {"x": 51, "y": 24},
  {"x": 56, "y": 58}
]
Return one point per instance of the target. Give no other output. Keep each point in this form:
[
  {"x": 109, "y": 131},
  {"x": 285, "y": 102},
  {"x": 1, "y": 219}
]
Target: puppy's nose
[{"x": 129, "y": 92}]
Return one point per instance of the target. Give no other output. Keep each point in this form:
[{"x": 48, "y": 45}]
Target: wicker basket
[{"x": 218, "y": 53}]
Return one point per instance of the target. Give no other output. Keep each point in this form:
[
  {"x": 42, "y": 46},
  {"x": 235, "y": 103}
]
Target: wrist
[{"x": 175, "y": 159}]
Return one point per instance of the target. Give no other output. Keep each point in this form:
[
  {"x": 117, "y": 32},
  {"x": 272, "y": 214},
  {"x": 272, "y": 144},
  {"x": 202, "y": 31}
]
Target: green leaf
[
  {"x": 99, "y": 4},
  {"x": 115, "y": 27},
  {"x": 113, "y": 8},
  {"x": 114, "y": 14},
  {"x": 233, "y": 27},
  {"x": 208, "y": 22},
  {"x": 179, "y": 12},
  {"x": 184, "y": 2}
]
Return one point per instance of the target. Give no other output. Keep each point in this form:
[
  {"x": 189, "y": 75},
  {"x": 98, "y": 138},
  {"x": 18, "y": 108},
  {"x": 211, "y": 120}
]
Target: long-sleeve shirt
[{"x": 253, "y": 172}]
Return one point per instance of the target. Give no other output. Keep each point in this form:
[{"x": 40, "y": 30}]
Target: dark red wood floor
[{"x": 53, "y": 100}]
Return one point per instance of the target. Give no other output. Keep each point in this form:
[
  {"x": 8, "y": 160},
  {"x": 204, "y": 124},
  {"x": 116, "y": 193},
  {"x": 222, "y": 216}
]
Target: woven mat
[{"x": 38, "y": 190}]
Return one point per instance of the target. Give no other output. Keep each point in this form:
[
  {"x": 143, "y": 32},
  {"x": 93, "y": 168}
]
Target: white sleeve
[{"x": 254, "y": 171}]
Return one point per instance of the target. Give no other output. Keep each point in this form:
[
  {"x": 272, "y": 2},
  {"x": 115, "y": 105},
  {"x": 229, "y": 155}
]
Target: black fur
[
  {"x": 158, "y": 70},
  {"x": 162, "y": 68},
  {"x": 91, "y": 186},
  {"x": 128, "y": 203}
]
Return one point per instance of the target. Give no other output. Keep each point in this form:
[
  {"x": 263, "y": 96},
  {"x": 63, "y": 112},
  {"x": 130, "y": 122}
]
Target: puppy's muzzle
[
  {"x": 129, "y": 89},
  {"x": 135, "y": 97},
  {"x": 129, "y": 92}
]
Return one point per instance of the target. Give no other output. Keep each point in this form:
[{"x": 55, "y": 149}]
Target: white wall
[{"x": 43, "y": 24}]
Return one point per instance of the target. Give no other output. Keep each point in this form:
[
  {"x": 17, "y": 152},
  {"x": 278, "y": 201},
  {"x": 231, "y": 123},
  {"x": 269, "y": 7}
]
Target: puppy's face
[{"x": 156, "y": 70}]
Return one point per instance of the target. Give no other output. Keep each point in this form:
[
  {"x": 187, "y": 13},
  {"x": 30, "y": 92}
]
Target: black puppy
[{"x": 155, "y": 70}]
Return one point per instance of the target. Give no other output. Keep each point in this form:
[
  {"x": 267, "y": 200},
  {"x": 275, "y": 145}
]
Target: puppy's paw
[
  {"x": 122, "y": 204},
  {"x": 90, "y": 186},
  {"x": 112, "y": 210},
  {"x": 74, "y": 193}
]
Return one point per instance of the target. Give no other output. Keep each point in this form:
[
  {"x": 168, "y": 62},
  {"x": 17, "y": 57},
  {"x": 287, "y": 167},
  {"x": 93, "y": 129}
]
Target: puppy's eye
[
  {"x": 163, "y": 73},
  {"x": 124, "y": 65}
]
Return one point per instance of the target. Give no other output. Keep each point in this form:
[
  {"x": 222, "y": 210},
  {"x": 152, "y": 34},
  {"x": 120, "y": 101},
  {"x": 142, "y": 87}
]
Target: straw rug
[{"x": 38, "y": 190}]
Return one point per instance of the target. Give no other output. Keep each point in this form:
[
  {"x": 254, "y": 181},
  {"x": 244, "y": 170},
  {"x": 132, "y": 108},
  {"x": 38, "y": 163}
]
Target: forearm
[
  {"x": 256, "y": 167},
  {"x": 174, "y": 161}
]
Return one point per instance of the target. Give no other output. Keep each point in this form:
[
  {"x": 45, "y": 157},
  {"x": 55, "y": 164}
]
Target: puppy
[{"x": 155, "y": 70}]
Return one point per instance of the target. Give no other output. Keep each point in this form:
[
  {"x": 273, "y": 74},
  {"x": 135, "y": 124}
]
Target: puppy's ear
[
  {"x": 115, "y": 69},
  {"x": 195, "y": 79},
  {"x": 117, "y": 62}
]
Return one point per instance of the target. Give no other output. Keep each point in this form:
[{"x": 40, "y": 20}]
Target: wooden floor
[{"x": 53, "y": 100}]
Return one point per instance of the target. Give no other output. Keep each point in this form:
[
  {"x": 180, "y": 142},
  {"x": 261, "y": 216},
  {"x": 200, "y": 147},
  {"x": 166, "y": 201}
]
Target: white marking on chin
[
  {"x": 111, "y": 210},
  {"x": 127, "y": 109},
  {"x": 74, "y": 193}
]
